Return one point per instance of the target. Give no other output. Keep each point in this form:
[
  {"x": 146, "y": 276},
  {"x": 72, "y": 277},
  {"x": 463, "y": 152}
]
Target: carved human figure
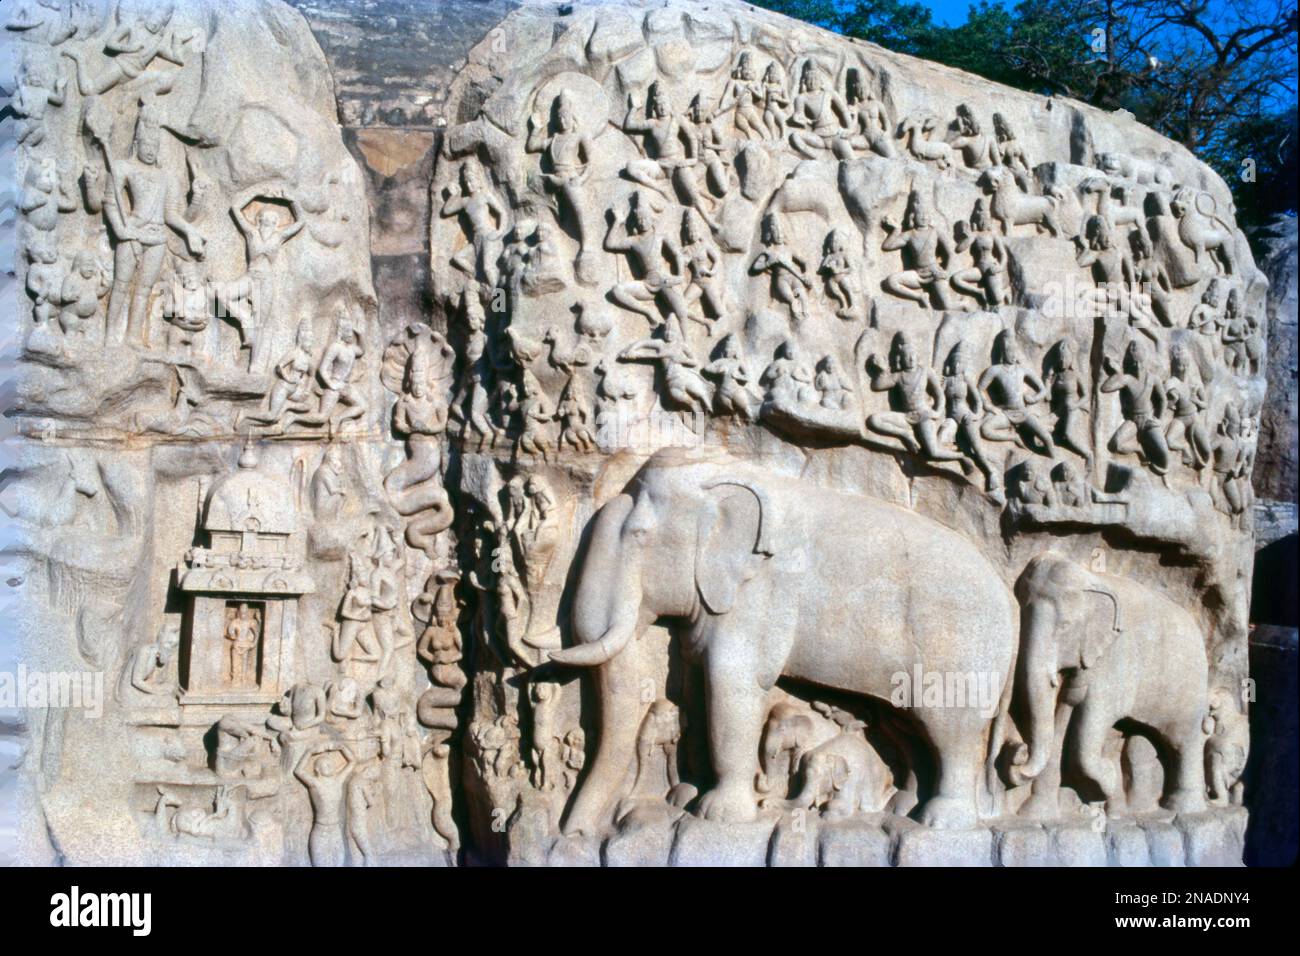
[
  {"x": 1185, "y": 399},
  {"x": 44, "y": 283},
  {"x": 151, "y": 670},
  {"x": 134, "y": 44},
  {"x": 670, "y": 148},
  {"x": 964, "y": 410},
  {"x": 966, "y": 137},
  {"x": 703, "y": 264},
  {"x": 323, "y": 770},
  {"x": 915, "y": 402},
  {"x": 650, "y": 251},
  {"x": 1035, "y": 486},
  {"x": 1150, "y": 292},
  {"x": 819, "y": 116},
  {"x": 788, "y": 270},
  {"x": 1241, "y": 350},
  {"x": 743, "y": 94},
  {"x": 830, "y": 382},
  {"x": 354, "y": 638},
  {"x": 39, "y": 87},
  {"x": 362, "y": 798},
  {"x": 536, "y": 413},
  {"x": 712, "y": 146},
  {"x": 250, "y": 299},
  {"x": 291, "y": 391},
  {"x": 1010, "y": 152},
  {"x": 788, "y": 378},
  {"x": 986, "y": 279},
  {"x": 1142, "y": 405},
  {"x": 1231, "y": 463},
  {"x": 776, "y": 101},
  {"x": 1068, "y": 394},
  {"x": 243, "y": 634},
  {"x": 732, "y": 395},
  {"x": 840, "y": 270},
  {"x": 338, "y": 367},
  {"x": 567, "y": 152},
  {"x": 1207, "y": 315},
  {"x": 329, "y": 485},
  {"x": 187, "y": 306},
  {"x": 683, "y": 384},
  {"x": 142, "y": 204},
  {"x": 546, "y": 744},
  {"x": 926, "y": 254},
  {"x": 574, "y": 415},
  {"x": 869, "y": 124},
  {"x": 486, "y": 221},
  {"x": 660, "y": 733},
  {"x": 43, "y": 199},
  {"x": 1010, "y": 388}
]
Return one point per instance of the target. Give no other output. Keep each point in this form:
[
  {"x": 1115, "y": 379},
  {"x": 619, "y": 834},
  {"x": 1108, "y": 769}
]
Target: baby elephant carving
[
  {"x": 789, "y": 733},
  {"x": 1226, "y": 748},
  {"x": 843, "y": 776}
]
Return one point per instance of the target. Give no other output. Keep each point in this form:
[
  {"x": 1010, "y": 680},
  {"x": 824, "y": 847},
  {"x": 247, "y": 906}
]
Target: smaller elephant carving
[
  {"x": 844, "y": 776},
  {"x": 1226, "y": 749},
  {"x": 789, "y": 732},
  {"x": 1097, "y": 649}
]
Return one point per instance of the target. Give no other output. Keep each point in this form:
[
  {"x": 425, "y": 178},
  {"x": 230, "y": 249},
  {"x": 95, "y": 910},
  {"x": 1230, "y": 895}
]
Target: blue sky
[{"x": 949, "y": 12}]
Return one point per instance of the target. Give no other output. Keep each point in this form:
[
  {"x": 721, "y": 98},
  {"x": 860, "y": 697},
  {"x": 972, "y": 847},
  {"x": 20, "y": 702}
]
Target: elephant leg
[
  {"x": 959, "y": 751},
  {"x": 1187, "y": 794},
  {"x": 1044, "y": 801},
  {"x": 735, "y": 704},
  {"x": 1094, "y": 726}
]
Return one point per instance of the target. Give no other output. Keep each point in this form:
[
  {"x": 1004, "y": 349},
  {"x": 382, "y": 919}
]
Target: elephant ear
[
  {"x": 732, "y": 541},
  {"x": 1100, "y": 627},
  {"x": 839, "y": 772}
]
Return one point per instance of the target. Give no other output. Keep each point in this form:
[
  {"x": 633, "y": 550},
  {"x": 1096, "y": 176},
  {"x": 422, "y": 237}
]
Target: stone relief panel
[
  {"x": 810, "y": 456},
  {"x": 827, "y": 376},
  {"x": 215, "y": 509}
]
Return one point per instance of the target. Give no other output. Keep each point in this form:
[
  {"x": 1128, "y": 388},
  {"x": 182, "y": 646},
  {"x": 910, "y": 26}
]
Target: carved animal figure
[
  {"x": 1011, "y": 207},
  {"x": 844, "y": 776},
  {"x": 764, "y": 576},
  {"x": 1139, "y": 170},
  {"x": 1227, "y": 748},
  {"x": 915, "y": 131},
  {"x": 1203, "y": 231},
  {"x": 1096, "y": 649},
  {"x": 789, "y": 733}
]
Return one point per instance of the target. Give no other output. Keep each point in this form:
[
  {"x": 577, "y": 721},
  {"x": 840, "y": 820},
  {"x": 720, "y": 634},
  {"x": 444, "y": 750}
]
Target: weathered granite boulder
[{"x": 672, "y": 435}]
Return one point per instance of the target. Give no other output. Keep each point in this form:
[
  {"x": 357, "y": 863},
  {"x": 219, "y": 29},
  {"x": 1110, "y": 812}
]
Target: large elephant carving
[
  {"x": 1097, "y": 649},
  {"x": 763, "y": 576}
]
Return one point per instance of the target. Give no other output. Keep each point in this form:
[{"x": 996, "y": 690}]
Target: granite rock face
[{"x": 672, "y": 435}]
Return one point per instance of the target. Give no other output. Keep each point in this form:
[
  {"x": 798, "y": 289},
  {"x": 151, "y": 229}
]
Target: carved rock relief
[{"x": 775, "y": 389}]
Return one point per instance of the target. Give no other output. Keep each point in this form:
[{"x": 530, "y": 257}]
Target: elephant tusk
[{"x": 597, "y": 652}]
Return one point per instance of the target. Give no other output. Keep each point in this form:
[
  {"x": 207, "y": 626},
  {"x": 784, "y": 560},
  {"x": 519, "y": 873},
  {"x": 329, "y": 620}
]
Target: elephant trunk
[
  {"x": 606, "y": 617},
  {"x": 1039, "y": 681}
]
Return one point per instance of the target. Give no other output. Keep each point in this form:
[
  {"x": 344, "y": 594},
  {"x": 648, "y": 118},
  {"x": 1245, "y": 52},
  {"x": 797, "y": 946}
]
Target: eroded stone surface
[{"x": 749, "y": 476}]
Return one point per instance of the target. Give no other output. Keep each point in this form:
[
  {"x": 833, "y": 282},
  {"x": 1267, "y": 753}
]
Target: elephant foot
[
  {"x": 1041, "y": 806},
  {"x": 949, "y": 813},
  {"x": 729, "y": 803},
  {"x": 1184, "y": 801}
]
